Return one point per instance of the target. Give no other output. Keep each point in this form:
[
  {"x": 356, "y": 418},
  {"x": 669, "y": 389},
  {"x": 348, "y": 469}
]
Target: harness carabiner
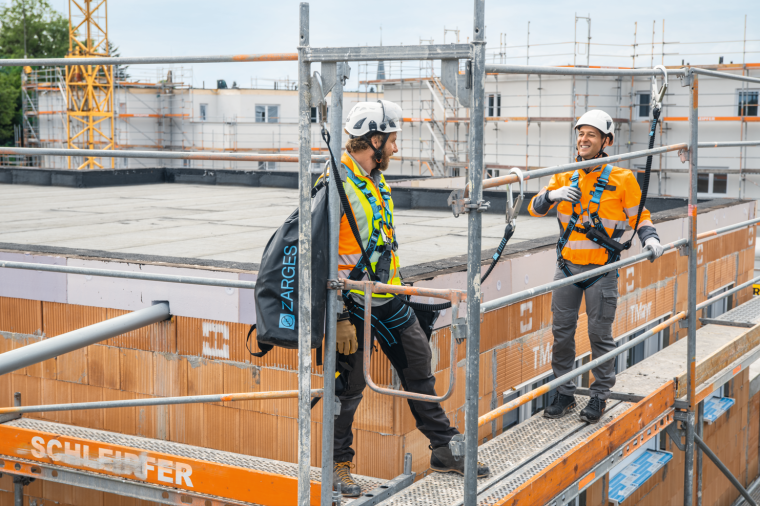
[
  {"x": 659, "y": 94},
  {"x": 321, "y": 105},
  {"x": 513, "y": 207}
]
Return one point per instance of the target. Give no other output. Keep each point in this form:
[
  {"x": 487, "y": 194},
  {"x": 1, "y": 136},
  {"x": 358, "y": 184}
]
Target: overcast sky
[{"x": 195, "y": 27}]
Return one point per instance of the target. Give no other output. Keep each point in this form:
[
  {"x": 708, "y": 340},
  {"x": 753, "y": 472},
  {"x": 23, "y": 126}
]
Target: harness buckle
[{"x": 513, "y": 207}]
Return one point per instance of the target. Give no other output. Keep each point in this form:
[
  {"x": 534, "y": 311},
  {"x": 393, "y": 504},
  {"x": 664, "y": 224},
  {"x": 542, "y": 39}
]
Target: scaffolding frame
[{"x": 468, "y": 88}]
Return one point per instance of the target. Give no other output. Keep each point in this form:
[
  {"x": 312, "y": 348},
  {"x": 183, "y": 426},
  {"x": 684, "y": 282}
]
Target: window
[
  {"x": 717, "y": 308},
  {"x": 267, "y": 114},
  {"x": 709, "y": 185},
  {"x": 494, "y": 105},
  {"x": 267, "y": 165},
  {"x": 748, "y": 100},
  {"x": 204, "y": 108},
  {"x": 642, "y": 104},
  {"x": 645, "y": 349},
  {"x": 640, "y": 176},
  {"x": 315, "y": 115}
]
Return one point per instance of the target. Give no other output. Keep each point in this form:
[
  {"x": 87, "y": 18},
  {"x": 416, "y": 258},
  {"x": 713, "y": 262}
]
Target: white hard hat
[
  {"x": 382, "y": 117},
  {"x": 597, "y": 119}
]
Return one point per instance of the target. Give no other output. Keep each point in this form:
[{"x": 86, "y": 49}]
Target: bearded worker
[{"x": 372, "y": 128}]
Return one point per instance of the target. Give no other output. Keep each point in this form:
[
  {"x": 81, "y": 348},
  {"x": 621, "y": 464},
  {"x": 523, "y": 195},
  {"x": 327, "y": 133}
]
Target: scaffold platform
[{"x": 150, "y": 469}]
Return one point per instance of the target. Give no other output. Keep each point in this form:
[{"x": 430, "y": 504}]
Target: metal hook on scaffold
[
  {"x": 513, "y": 206},
  {"x": 659, "y": 94}
]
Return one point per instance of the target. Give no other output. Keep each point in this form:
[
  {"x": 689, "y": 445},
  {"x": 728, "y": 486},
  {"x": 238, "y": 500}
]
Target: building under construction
[{"x": 126, "y": 373}]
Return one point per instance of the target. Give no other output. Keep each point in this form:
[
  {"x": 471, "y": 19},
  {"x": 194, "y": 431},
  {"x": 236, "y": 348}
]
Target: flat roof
[{"x": 226, "y": 224}]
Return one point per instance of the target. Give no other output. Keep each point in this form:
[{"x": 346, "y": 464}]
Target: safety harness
[
  {"x": 595, "y": 231},
  {"x": 364, "y": 265}
]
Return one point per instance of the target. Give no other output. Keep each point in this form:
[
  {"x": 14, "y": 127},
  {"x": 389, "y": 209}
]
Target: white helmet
[
  {"x": 382, "y": 117},
  {"x": 599, "y": 120}
]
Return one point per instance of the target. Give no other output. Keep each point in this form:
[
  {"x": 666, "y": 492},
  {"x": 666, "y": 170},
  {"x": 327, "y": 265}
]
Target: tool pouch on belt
[
  {"x": 383, "y": 267},
  {"x": 613, "y": 247}
]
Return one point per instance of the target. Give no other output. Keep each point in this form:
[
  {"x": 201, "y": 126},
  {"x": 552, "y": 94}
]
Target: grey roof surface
[{"x": 211, "y": 223}]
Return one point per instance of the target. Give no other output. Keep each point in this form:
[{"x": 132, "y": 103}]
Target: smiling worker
[{"x": 594, "y": 205}]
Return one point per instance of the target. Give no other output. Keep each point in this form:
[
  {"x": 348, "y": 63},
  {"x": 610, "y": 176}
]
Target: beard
[{"x": 383, "y": 165}]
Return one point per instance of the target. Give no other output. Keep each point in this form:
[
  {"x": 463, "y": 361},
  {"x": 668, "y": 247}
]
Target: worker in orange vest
[{"x": 594, "y": 206}]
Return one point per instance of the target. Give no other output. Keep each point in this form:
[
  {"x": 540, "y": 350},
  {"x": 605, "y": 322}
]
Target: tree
[
  {"x": 10, "y": 103},
  {"x": 119, "y": 71},
  {"x": 47, "y": 31},
  {"x": 47, "y": 36}
]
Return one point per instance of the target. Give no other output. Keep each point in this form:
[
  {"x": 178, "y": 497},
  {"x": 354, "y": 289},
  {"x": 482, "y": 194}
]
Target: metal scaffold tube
[
  {"x": 728, "y": 144},
  {"x": 725, "y": 75},
  {"x": 567, "y": 167},
  {"x": 531, "y": 292},
  {"x": 304, "y": 261},
  {"x": 333, "y": 304},
  {"x": 160, "y": 401},
  {"x": 548, "y": 387},
  {"x": 54, "y": 346},
  {"x": 165, "y": 155},
  {"x": 691, "y": 307},
  {"x": 494, "y": 68},
  {"x": 474, "y": 229},
  {"x": 145, "y": 276},
  {"x": 726, "y": 471},
  {"x": 148, "y": 60}
]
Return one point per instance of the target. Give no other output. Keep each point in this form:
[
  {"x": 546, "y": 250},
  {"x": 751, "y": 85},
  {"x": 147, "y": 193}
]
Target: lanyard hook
[
  {"x": 513, "y": 206},
  {"x": 658, "y": 95}
]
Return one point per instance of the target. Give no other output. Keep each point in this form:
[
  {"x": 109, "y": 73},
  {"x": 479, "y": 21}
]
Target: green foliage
[
  {"x": 47, "y": 36},
  {"x": 10, "y": 103},
  {"x": 47, "y": 31}
]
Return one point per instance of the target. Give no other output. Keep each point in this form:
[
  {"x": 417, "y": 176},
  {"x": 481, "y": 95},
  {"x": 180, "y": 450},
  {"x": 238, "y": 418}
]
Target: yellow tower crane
[{"x": 89, "y": 88}]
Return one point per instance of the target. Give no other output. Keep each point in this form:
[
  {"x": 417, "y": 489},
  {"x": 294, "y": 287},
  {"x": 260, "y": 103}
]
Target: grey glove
[
  {"x": 652, "y": 244},
  {"x": 566, "y": 193}
]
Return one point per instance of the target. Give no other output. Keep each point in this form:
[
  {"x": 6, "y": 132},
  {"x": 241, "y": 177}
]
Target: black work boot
[
  {"x": 593, "y": 410},
  {"x": 560, "y": 406},
  {"x": 342, "y": 475},
  {"x": 443, "y": 461}
]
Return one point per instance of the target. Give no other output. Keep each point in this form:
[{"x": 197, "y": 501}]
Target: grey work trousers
[
  {"x": 601, "y": 303},
  {"x": 410, "y": 356}
]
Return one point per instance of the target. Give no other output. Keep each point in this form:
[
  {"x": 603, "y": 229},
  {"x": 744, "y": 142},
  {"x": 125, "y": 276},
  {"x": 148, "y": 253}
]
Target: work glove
[
  {"x": 652, "y": 244},
  {"x": 566, "y": 193},
  {"x": 345, "y": 338}
]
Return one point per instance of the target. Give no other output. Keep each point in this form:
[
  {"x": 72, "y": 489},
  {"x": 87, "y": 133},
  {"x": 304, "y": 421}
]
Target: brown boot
[{"x": 342, "y": 475}]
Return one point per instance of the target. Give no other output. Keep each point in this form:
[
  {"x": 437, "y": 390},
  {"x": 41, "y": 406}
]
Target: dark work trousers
[
  {"x": 601, "y": 303},
  {"x": 410, "y": 356}
]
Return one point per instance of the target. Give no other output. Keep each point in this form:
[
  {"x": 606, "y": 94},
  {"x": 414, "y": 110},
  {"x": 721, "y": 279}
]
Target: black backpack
[{"x": 276, "y": 292}]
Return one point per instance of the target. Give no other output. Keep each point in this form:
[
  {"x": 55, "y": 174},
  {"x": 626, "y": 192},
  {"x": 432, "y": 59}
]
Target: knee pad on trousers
[
  {"x": 600, "y": 328},
  {"x": 564, "y": 320}
]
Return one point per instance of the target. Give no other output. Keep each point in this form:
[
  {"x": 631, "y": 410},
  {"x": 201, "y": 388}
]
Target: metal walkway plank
[
  {"x": 744, "y": 315},
  {"x": 504, "y": 453},
  {"x": 155, "y": 462}
]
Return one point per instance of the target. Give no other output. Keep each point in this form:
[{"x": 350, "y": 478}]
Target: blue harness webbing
[
  {"x": 613, "y": 253},
  {"x": 377, "y": 216}
]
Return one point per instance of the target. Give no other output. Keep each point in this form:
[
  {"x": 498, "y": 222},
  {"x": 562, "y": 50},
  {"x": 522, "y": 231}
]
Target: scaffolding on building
[{"x": 468, "y": 88}]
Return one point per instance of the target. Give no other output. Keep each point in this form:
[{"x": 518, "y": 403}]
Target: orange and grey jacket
[{"x": 619, "y": 205}]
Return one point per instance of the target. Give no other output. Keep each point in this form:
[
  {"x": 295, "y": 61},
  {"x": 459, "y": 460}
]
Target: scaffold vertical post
[
  {"x": 691, "y": 343},
  {"x": 304, "y": 262},
  {"x": 474, "y": 222},
  {"x": 699, "y": 431},
  {"x": 333, "y": 305}
]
